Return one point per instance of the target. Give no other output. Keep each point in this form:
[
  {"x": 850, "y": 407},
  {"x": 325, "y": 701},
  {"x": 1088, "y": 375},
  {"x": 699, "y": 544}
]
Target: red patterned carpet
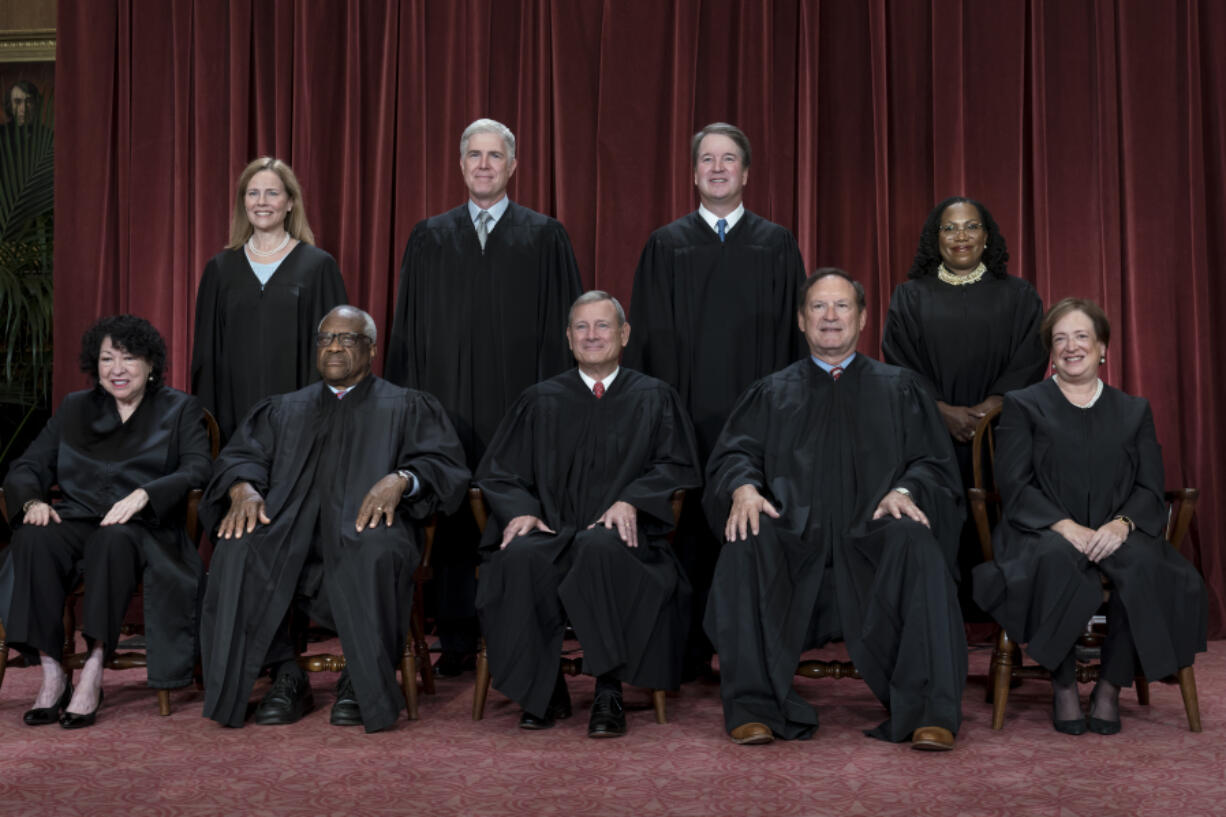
[{"x": 134, "y": 762}]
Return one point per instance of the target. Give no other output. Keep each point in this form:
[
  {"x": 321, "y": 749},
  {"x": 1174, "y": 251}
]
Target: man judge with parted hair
[{"x": 484, "y": 290}]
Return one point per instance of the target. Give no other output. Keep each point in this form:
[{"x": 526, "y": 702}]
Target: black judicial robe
[
  {"x": 476, "y": 327},
  {"x": 97, "y": 460},
  {"x": 1054, "y": 461},
  {"x": 710, "y": 318},
  {"x": 314, "y": 458},
  {"x": 565, "y": 456},
  {"x": 825, "y": 453},
  {"x": 254, "y": 341}
]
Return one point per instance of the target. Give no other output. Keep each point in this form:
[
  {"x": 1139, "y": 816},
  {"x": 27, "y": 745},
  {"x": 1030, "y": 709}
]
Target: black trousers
[{"x": 48, "y": 561}]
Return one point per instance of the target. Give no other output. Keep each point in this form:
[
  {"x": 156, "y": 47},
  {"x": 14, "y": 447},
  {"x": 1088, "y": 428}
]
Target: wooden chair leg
[
  {"x": 1002, "y": 674},
  {"x": 421, "y": 649},
  {"x": 657, "y": 699},
  {"x": 408, "y": 681},
  {"x": 481, "y": 687},
  {"x": 163, "y": 702},
  {"x": 1191, "y": 704},
  {"x": 4, "y": 653},
  {"x": 1142, "y": 691}
]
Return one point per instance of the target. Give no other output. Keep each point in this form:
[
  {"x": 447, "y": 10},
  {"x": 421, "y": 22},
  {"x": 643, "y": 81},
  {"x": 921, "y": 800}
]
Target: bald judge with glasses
[{"x": 317, "y": 502}]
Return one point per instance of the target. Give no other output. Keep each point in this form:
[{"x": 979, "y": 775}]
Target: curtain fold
[{"x": 1094, "y": 132}]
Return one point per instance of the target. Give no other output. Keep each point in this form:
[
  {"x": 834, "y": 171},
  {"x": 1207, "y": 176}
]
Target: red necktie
[
  {"x": 598, "y": 390},
  {"x": 836, "y": 372},
  {"x": 340, "y": 394}
]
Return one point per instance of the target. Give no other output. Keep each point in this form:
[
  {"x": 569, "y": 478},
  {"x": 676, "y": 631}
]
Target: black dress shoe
[
  {"x": 451, "y": 664},
  {"x": 42, "y": 716},
  {"x": 345, "y": 711},
  {"x": 558, "y": 710},
  {"x": 608, "y": 718},
  {"x": 71, "y": 720},
  {"x": 289, "y": 699}
]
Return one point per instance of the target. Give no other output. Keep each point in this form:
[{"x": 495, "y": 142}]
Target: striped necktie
[{"x": 483, "y": 226}]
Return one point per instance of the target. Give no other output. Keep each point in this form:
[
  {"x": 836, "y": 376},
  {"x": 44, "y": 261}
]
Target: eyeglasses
[
  {"x": 970, "y": 228},
  {"x": 347, "y": 339}
]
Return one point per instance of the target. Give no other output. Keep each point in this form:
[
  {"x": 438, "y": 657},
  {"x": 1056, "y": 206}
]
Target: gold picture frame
[{"x": 28, "y": 45}]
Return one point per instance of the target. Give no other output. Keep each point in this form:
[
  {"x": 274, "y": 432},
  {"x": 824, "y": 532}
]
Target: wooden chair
[
  {"x": 416, "y": 654},
  {"x": 570, "y": 665},
  {"x": 1006, "y": 667},
  {"x": 129, "y": 659}
]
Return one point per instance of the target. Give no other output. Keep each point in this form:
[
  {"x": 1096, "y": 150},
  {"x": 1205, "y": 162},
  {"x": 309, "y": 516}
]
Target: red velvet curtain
[{"x": 1094, "y": 131}]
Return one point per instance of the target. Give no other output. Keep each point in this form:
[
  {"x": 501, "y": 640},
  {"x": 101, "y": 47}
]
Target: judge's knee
[
  {"x": 112, "y": 543},
  {"x": 599, "y": 542},
  {"x": 383, "y": 549}
]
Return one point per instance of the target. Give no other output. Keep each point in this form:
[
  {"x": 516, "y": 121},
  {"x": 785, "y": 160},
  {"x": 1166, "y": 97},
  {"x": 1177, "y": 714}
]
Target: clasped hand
[
  {"x": 1095, "y": 544},
  {"x": 42, "y": 514}
]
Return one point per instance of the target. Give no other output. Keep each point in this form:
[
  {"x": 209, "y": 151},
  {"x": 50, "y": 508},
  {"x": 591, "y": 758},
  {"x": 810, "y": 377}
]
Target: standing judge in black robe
[
  {"x": 1080, "y": 474},
  {"x": 261, "y": 298},
  {"x": 321, "y": 499},
  {"x": 713, "y": 310},
  {"x": 484, "y": 292},
  {"x": 850, "y": 461},
  {"x": 968, "y": 328},
  {"x": 124, "y": 454},
  {"x": 579, "y": 478}
]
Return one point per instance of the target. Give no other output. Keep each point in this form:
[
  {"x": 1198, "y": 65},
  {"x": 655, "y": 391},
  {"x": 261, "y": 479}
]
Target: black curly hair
[
  {"x": 133, "y": 335},
  {"x": 928, "y": 253}
]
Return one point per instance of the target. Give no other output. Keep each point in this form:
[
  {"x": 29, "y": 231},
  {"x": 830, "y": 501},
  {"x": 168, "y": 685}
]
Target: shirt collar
[
  {"x": 495, "y": 210},
  {"x": 590, "y": 382},
  {"x": 732, "y": 218},
  {"x": 826, "y": 367}
]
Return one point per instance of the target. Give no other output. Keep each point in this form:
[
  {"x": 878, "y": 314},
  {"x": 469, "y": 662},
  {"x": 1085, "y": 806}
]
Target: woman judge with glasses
[
  {"x": 261, "y": 298},
  {"x": 967, "y": 327}
]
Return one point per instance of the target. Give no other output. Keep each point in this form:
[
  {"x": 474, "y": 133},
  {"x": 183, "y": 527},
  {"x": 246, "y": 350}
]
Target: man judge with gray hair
[{"x": 484, "y": 290}]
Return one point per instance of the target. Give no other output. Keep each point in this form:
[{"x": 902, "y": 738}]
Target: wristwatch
[
  {"x": 903, "y": 491},
  {"x": 407, "y": 476},
  {"x": 30, "y": 503},
  {"x": 1131, "y": 525}
]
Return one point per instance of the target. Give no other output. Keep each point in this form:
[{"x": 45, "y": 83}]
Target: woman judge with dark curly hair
[
  {"x": 261, "y": 298},
  {"x": 1081, "y": 480},
  {"x": 967, "y": 327},
  {"x": 124, "y": 454}
]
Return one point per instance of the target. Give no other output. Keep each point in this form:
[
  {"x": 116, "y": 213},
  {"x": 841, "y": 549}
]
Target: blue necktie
[{"x": 719, "y": 227}]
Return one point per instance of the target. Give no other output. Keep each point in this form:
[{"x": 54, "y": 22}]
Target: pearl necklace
[
  {"x": 251, "y": 248},
  {"x": 961, "y": 280}
]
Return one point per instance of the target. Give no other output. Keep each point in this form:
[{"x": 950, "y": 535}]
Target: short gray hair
[
  {"x": 368, "y": 323},
  {"x": 595, "y": 296},
  {"x": 488, "y": 126}
]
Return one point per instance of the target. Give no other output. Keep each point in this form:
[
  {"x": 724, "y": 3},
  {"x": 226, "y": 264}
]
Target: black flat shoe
[
  {"x": 47, "y": 715},
  {"x": 1070, "y": 727},
  {"x": 530, "y": 721},
  {"x": 1101, "y": 727},
  {"x": 345, "y": 711},
  {"x": 70, "y": 720},
  {"x": 608, "y": 719}
]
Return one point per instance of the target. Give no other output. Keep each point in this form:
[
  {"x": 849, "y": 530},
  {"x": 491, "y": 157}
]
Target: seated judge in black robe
[
  {"x": 124, "y": 454},
  {"x": 968, "y": 328},
  {"x": 319, "y": 499},
  {"x": 835, "y": 485},
  {"x": 1080, "y": 474},
  {"x": 480, "y": 317},
  {"x": 579, "y": 479},
  {"x": 714, "y": 310},
  {"x": 261, "y": 298}
]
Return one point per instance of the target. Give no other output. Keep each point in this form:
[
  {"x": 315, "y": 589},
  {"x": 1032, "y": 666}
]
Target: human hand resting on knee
[
  {"x": 624, "y": 517},
  {"x": 747, "y": 504},
  {"x": 897, "y": 504},
  {"x": 39, "y": 513},
  {"x": 521, "y": 525},
  {"x": 246, "y": 511},
  {"x": 381, "y": 501},
  {"x": 126, "y": 508}
]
